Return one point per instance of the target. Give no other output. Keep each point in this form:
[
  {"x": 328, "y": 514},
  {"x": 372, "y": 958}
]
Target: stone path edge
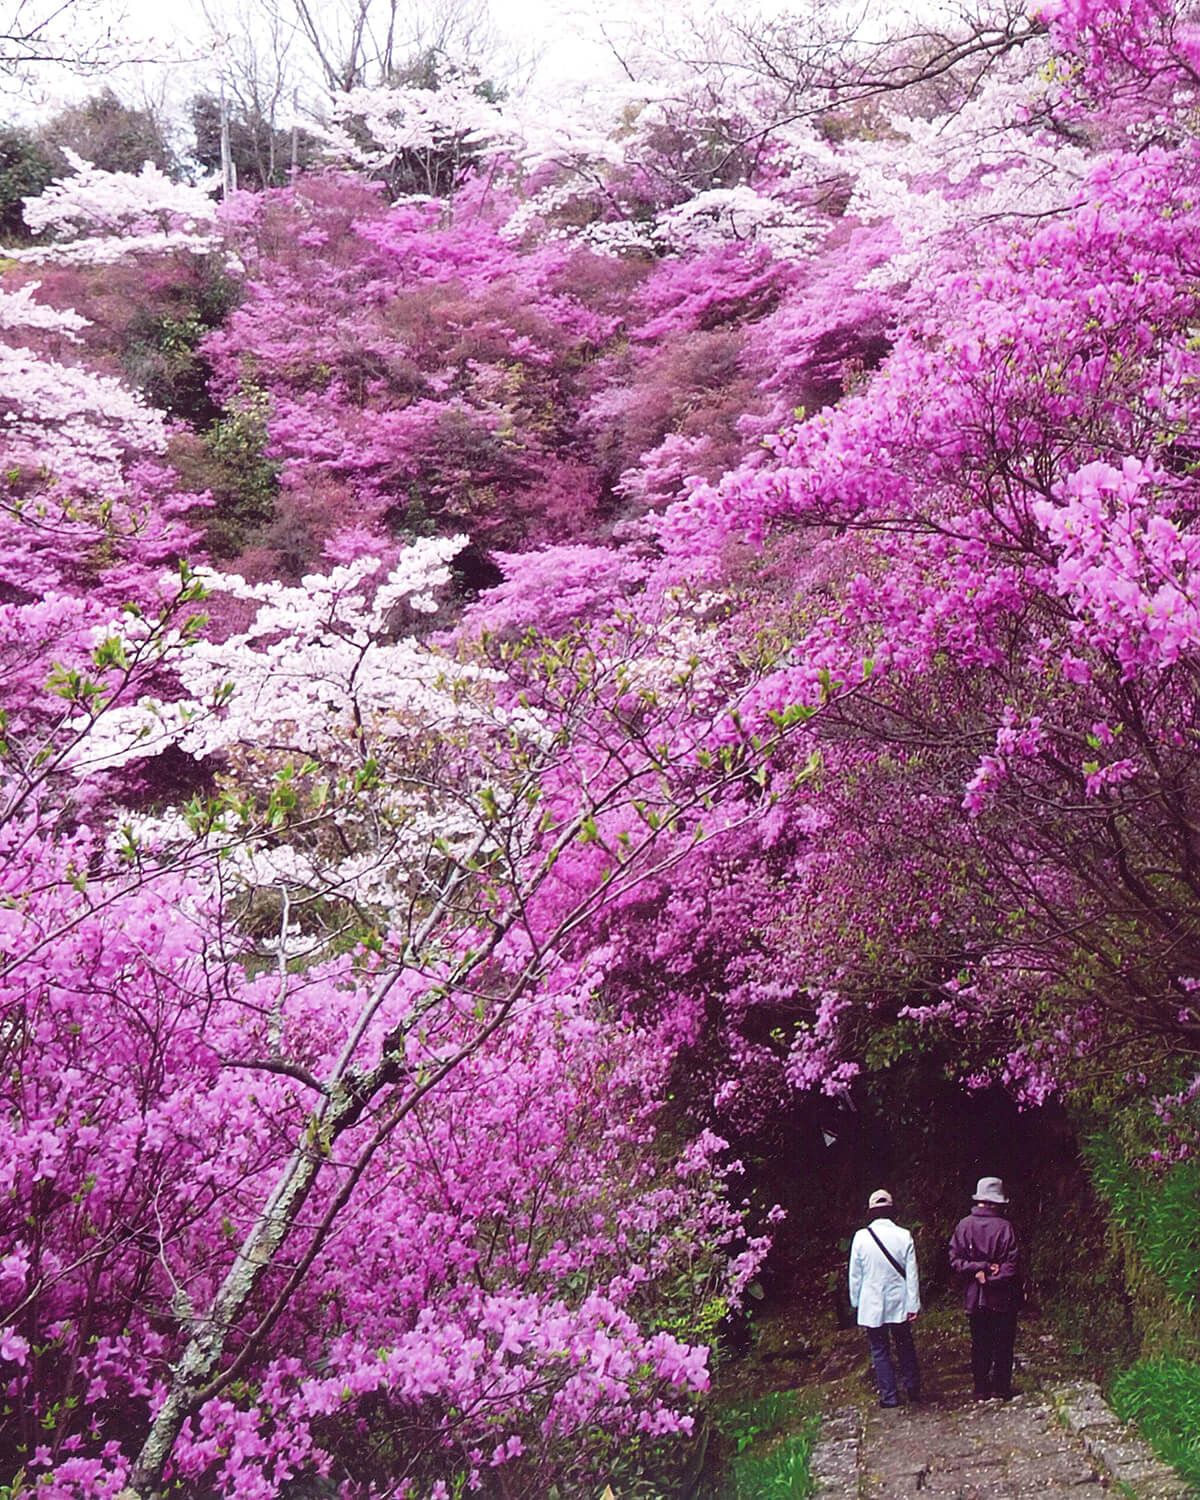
[
  {"x": 1118, "y": 1451},
  {"x": 834, "y": 1460}
]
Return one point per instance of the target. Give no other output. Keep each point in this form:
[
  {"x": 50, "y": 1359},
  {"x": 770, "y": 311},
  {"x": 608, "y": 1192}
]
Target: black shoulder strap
[{"x": 896, "y": 1266}]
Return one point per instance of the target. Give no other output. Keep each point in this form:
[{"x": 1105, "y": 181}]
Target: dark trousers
[
  {"x": 906, "y": 1358},
  {"x": 992, "y": 1337}
]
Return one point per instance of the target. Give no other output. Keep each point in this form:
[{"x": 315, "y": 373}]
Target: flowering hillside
[{"x": 528, "y": 649}]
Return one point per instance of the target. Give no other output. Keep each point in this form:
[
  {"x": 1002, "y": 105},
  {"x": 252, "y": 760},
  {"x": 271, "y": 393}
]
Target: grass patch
[
  {"x": 781, "y": 1473},
  {"x": 1160, "y": 1214},
  {"x": 766, "y": 1446},
  {"x": 1163, "y": 1397}
]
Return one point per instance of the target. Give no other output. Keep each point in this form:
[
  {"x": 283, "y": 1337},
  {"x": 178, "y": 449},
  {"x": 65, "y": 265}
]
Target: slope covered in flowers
[{"x": 566, "y": 665}]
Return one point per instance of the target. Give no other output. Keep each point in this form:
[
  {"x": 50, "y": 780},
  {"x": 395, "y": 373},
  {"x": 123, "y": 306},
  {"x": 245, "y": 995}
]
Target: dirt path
[{"x": 990, "y": 1450}]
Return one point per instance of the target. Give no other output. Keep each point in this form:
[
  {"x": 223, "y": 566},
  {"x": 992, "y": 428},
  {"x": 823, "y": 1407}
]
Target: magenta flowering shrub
[
  {"x": 501, "y": 1267},
  {"x": 449, "y": 378},
  {"x": 477, "y": 1295},
  {"x": 508, "y": 1274},
  {"x": 111, "y": 1065},
  {"x": 420, "y": 376},
  {"x": 999, "y": 688},
  {"x": 1119, "y": 49}
]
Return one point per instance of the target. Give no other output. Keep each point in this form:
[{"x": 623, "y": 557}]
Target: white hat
[
  {"x": 990, "y": 1190},
  {"x": 880, "y": 1198}
]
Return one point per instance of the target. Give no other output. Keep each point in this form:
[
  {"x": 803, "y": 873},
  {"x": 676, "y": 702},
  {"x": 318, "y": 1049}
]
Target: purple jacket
[{"x": 983, "y": 1239}]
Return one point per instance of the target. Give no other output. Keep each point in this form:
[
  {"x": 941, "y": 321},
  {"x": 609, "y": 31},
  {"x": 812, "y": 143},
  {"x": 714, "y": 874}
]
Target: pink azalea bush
[{"x": 474, "y": 1296}]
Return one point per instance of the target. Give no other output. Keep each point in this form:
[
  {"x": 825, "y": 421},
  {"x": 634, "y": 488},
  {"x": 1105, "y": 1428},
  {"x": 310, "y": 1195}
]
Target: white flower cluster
[
  {"x": 613, "y": 237},
  {"x": 314, "y": 674},
  {"x": 381, "y": 874},
  {"x": 685, "y": 648},
  {"x": 740, "y": 213},
  {"x": 335, "y": 601},
  {"x": 617, "y": 131},
  {"x": 397, "y": 120},
  {"x": 539, "y": 207},
  {"x": 711, "y": 218},
  {"x": 576, "y": 139},
  {"x": 107, "y": 250},
  {"x": 68, "y": 422},
  {"x": 71, "y": 422},
  {"x": 92, "y": 199},
  {"x": 987, "y": 162},
  {"x": 97, "y": 217},
  {"x": 605, "y": 236},
  {"x": 18, "y": 310}
]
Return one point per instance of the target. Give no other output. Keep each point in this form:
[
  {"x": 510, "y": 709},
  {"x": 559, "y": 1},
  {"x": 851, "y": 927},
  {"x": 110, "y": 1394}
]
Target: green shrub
[
  {"x": 161, "y": 347},
  {"x": 781, "y": 1473},
  {"x": 26, "y": 169},
  {"x": 229, "y": 460},
  {"x": 1161, "y": 1215},
  {"x": 769, "y": 1443},
  {"x": 109, "y": 133},
  {"x": 1163, "y": 1397}
]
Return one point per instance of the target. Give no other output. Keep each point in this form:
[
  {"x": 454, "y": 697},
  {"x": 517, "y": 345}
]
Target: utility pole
[{"x": 228, "y": 177}]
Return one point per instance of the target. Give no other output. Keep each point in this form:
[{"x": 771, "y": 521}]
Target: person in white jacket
[{"x": 885, "y": 1289}]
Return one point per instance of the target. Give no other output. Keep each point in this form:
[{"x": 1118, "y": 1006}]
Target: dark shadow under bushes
[{"x": 910, "y": 1128}]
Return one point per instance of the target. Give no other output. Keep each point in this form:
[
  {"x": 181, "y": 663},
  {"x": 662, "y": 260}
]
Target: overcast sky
[
  {"x": 177, "y": 35},
  {"x": 563, "y": 36}
]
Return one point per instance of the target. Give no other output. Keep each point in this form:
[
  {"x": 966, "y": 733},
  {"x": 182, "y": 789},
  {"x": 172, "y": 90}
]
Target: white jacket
[{"x": 877, "y": 1289}]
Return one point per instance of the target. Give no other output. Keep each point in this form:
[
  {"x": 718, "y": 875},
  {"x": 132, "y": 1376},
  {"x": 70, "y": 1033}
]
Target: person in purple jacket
[{"x": 985, "y": 1256}]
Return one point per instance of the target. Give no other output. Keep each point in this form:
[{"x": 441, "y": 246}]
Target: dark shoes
[
  {"x": 891, "y": 1403},
  {"x": 982, "y": 1395}
]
